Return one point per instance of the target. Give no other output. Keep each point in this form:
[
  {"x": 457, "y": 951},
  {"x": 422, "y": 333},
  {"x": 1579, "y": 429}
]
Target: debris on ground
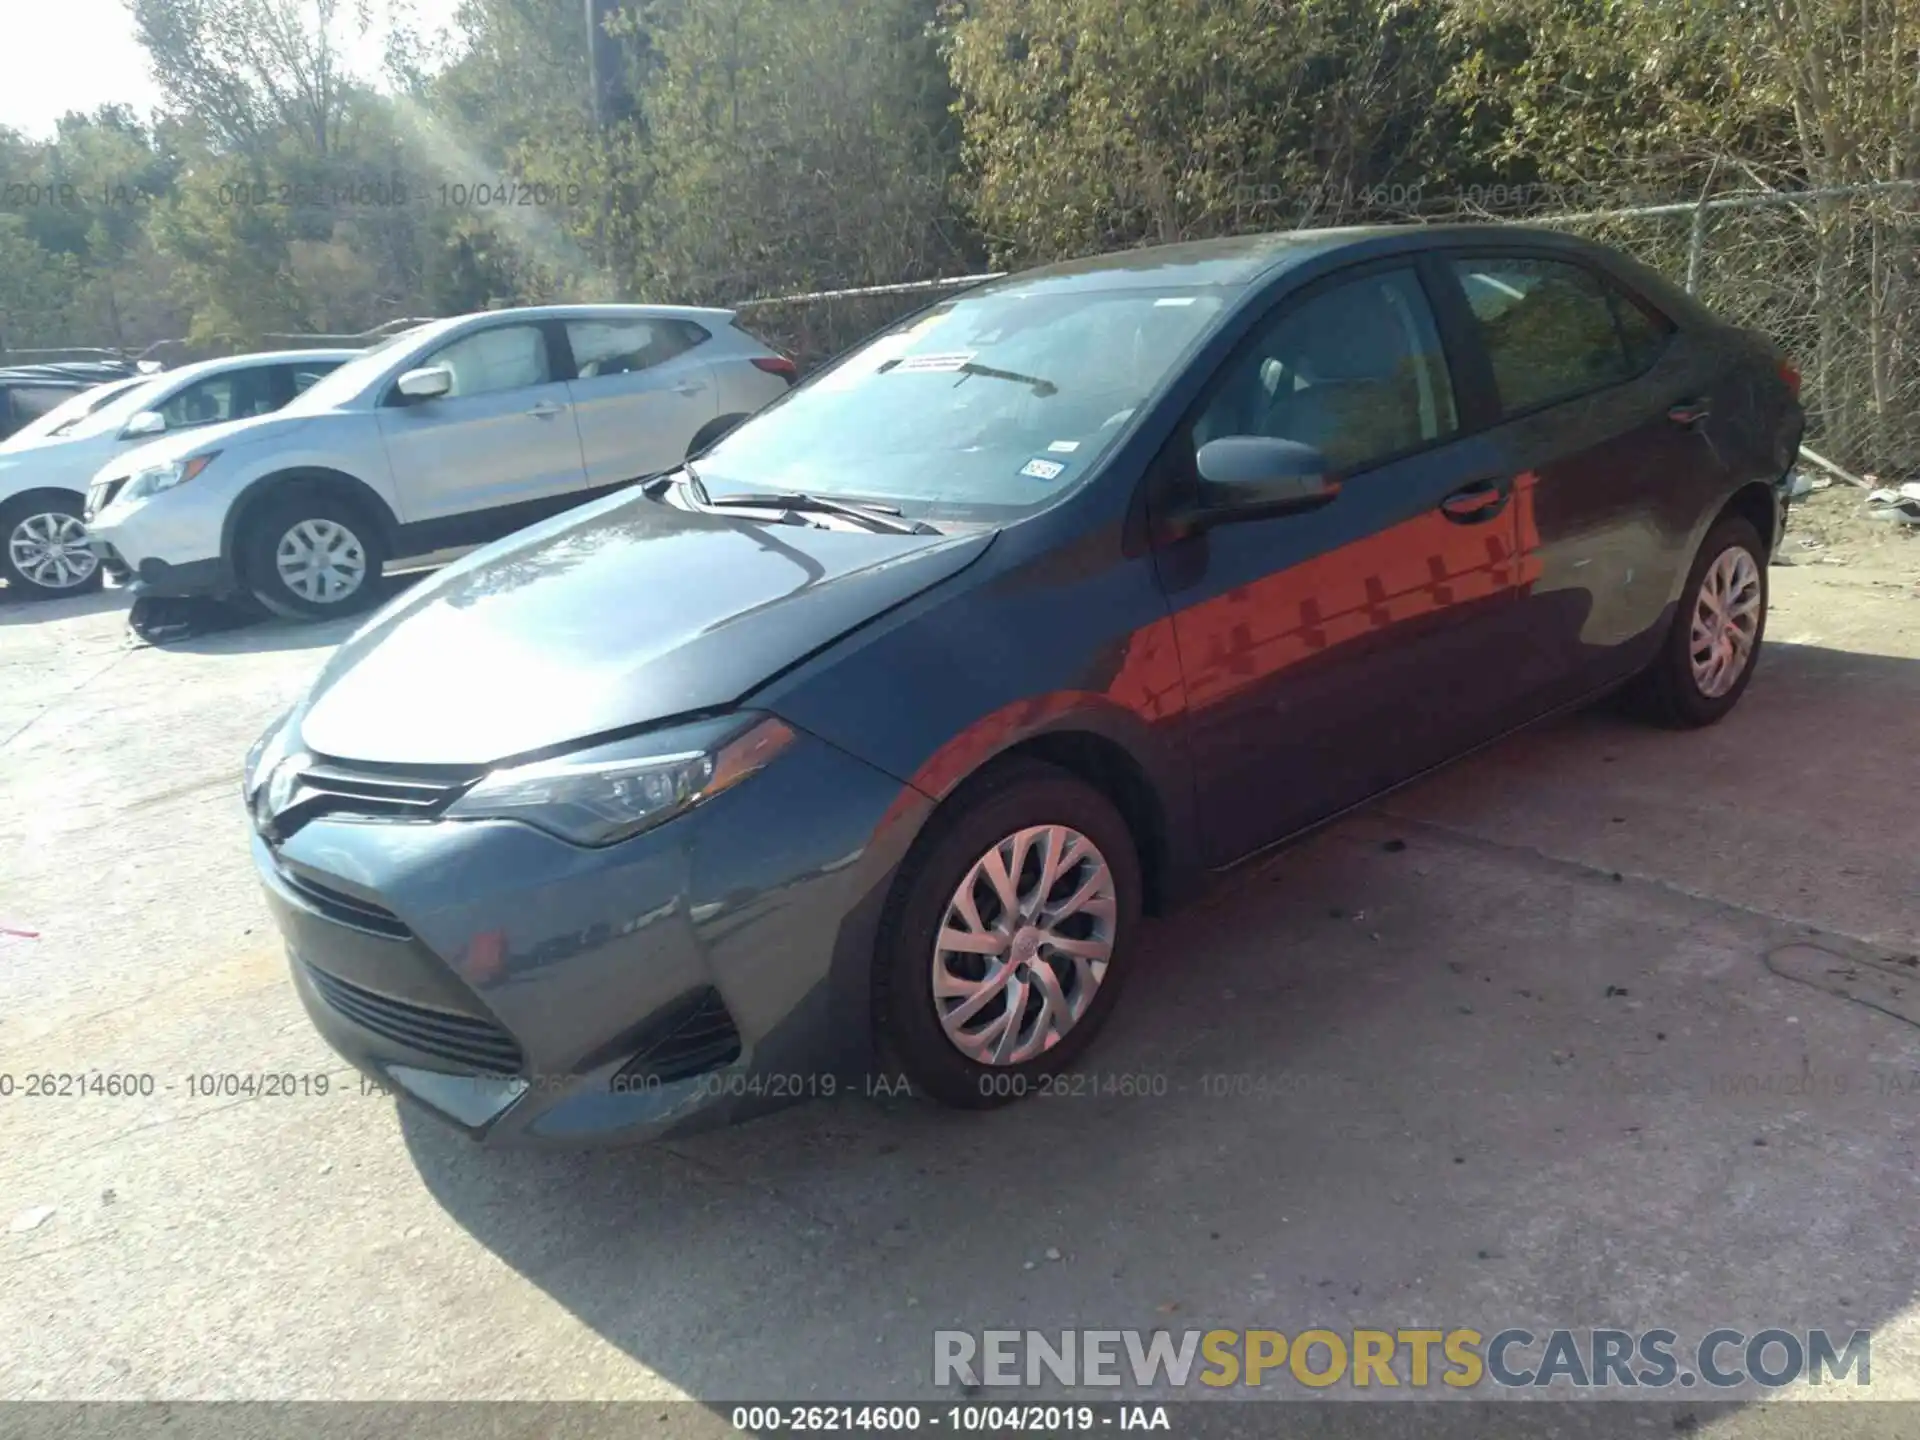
[{"x": 1901, "y": 506}]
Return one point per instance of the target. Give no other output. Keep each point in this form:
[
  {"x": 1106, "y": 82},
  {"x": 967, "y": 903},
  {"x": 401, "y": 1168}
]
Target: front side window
[
  {"x": 619, "y": 347},
  {"x": 1356, "y": 371},
  {"x": 234, "y": 395},
  {"x": 1554, "y": 330},
  {"x": 507, "y": 357},
  {"x": 987, "y": 406}
]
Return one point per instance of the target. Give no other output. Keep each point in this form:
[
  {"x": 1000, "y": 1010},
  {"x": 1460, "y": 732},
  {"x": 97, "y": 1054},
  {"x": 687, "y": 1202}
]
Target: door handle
[
  {"x": 1474, "y": 503},
  {"x": 546, "y": 410},
  {"x": 688, "y": 387},
  {"x": 1688, "y": 412}
]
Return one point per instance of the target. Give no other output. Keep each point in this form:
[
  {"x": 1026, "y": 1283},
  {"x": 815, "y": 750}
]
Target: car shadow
[
  {"x": 1424, "y": 1069},
  {"x": 216, "y": 627},
  {"x": 18, "y": 610}
]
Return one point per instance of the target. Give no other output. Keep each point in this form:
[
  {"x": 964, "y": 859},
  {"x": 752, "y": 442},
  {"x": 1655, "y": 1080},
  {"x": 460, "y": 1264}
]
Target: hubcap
[
  {"x": 51, "y": 551},
  {"x": 1024, "y": 945},
  {"x": 321, "y": 561},
  {"x": 1726, "y": 620}
]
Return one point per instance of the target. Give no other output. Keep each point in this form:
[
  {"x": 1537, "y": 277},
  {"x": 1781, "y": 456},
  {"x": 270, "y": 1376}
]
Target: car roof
[
  {"x": 712, "y": 314},
  {"x": 259, "y": 357},
  {"x": 81, "y": 373},
  {"x": 1237, "y": 261}
]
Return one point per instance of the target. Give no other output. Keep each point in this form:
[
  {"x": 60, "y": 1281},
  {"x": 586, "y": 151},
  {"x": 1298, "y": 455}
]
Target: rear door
[
  {"x": 1332, "y": 653},
  {"x": 503, "y": 435},
  {"x": 642, "y": 390},
  {"x": 1604, "y": 426}
]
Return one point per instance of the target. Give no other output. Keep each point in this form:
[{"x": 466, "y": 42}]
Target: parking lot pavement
[{"x": 1606, "y": 1026}]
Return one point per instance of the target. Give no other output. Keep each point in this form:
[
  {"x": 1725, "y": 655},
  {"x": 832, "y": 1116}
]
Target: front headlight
[
  {"x": 611, "y": 792},
  {"x": 263, "y": 755},
  {"x": 155, "y": 478}
]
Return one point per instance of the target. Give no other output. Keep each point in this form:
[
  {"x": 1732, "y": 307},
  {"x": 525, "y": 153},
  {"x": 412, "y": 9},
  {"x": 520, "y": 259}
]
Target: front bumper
[
  {"x": 155, "y": 550},
  {"x": 532, "y": 992}
]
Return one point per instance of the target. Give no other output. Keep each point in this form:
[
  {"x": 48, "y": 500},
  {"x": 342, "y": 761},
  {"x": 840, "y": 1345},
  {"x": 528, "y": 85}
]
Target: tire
[
  {"x": 1673, "y": 691},
  {"x": 37, "y": 555},
  {"x": 710, "y": 432},
  {"x": 353, "y": 544},
  {"x": 987, "y": 817}
]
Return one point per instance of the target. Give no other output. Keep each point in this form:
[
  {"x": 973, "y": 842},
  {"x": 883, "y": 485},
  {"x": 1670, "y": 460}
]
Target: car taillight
[
  {"x": 776, "y": 365},
  {"x": 1790, "y": 373}
]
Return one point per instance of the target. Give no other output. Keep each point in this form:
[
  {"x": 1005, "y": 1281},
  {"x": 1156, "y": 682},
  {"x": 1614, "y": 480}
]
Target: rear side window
[
  {"x": 1554, "y": 330},
  {"x": 29, "y": 402},
  {"x": 620, "y": 347}
]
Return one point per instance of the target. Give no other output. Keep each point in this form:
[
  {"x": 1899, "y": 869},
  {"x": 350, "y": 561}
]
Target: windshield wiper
[
  {"x": 1041, "y": 388},
  {"x": 879, "y": 517}
]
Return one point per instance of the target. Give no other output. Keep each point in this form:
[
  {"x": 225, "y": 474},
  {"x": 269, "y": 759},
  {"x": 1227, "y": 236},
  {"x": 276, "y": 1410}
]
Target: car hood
[
  {"x": 60, "y": 464},
  {"x": 202, "y": 438},
  {"x": 622, "y": 613}
]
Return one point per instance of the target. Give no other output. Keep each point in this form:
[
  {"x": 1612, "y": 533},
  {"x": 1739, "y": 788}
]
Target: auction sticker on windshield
[{"x": 1040, "y": 469}]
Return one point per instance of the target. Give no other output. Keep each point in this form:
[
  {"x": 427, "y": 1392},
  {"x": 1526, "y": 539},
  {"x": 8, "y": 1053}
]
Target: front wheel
[
  {"x": 1005, "y": 950},
  {"x": 43, "y": 548},
  {"x": 311, "y": 555},
  {"x": 1708, "y": 657}
]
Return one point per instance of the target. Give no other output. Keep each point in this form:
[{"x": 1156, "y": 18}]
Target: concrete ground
[{"x": 1623, "y": 1034}]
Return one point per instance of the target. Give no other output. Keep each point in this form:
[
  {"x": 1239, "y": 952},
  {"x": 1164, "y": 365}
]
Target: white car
[
  {"x": 46, "y": 467},
  {"x": 453, "y": 433}
]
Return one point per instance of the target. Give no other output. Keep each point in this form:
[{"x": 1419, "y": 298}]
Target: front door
[
  {"x": 503, "y": 435},
  {"x": 1331, "y": 653}
]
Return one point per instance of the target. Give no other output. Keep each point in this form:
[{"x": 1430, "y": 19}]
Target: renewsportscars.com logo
[{"x": 1458, "y": 1359}]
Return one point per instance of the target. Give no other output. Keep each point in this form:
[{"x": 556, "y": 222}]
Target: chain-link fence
[{"x": 1831, "y": 275}]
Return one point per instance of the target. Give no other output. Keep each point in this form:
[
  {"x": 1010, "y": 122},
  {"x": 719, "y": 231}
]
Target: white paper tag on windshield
[
  {"x": 1063, "y": 447},
  {"x": 958, "y": 359}
]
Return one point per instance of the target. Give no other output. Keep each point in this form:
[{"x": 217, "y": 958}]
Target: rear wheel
[
  {"x": 1708, "y": 658},
  {"x": 43, "y": 547},
  {"x": 1004, "y": 952},
  {"x": 311, "y": 554}
]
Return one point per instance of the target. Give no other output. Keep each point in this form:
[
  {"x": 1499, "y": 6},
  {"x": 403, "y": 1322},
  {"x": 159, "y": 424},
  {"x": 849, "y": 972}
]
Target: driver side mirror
[
  {"x": 147, "y": 422},
  {"x": 1252, "y": 477},
  {"x": 429, "y": 382}
]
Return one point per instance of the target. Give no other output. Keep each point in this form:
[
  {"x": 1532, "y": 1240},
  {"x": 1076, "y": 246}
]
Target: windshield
[
  {"x": 143, "y": 395},
  {"x": 338, "y": 386},
  {"x": 984, "y": 407},
  {"x": 62, "y": 418}
]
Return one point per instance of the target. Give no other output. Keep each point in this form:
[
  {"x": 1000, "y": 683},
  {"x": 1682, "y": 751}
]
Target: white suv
[
  {"x": 45, "y": 468},
  {"x": 453, "y": 433}
]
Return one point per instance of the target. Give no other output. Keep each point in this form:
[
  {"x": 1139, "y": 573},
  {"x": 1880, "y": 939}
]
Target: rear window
[{"x": 1554, "y": 330}]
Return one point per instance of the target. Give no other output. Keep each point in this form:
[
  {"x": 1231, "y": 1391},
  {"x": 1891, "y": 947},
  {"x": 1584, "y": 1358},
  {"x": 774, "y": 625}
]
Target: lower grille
[
  {"x": 347, "y": 909},
  {"x": 477, "y": 1045},
  {"x": 695, "y": 1036}
]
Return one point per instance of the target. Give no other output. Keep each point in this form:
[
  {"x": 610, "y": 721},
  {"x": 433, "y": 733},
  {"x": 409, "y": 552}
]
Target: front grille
[
  {"x": 349, "y": 910},
  {"x": 695, "y": 1035},
  {"x": 477, "y": 1045},
  {"x": 325, "y": 788}
]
